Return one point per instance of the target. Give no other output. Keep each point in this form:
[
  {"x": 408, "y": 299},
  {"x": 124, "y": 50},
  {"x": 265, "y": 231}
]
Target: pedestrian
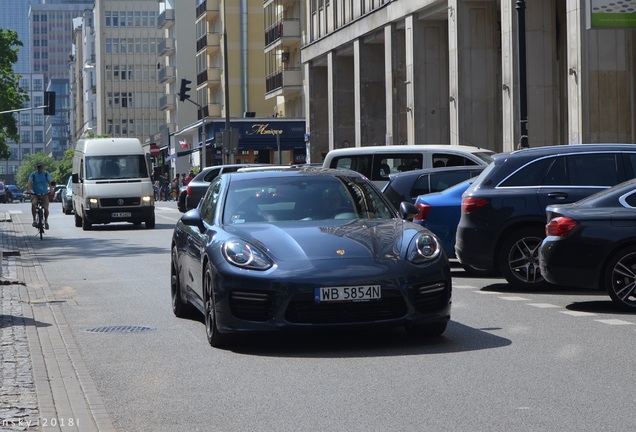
[{"x": 189, "y": 178}]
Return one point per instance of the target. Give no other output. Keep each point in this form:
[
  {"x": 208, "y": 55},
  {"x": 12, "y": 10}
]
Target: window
[
  {"x": 593, "y": 169},
  {"x": 531, "y": 174},
  {"x": 38, "y": 136},
  {"x": 208, "y": 205},
  {"x": 107, "y": 17}
]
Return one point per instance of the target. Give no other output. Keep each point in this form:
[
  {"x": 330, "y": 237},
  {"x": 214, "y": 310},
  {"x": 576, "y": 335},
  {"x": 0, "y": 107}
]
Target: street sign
[{"x": 154, "y": 150}]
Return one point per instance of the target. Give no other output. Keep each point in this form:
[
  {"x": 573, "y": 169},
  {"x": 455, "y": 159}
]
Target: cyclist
[{"x": 39, "y": 183}]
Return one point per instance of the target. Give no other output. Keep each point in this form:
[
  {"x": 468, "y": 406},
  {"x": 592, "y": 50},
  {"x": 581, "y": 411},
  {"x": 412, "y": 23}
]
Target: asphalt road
[{"x": 509, "y": 361}]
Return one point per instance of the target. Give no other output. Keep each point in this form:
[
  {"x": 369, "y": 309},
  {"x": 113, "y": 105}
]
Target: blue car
[
  {"x": 440, "y": 213},
  {"x": 13, "y": 193}
]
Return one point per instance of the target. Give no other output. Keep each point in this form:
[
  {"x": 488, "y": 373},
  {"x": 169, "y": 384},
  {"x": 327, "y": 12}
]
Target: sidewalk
[{"x": 44, "y": 383}]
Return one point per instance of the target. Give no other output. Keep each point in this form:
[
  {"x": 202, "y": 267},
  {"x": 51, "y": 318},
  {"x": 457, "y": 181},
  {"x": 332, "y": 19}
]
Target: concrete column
[
  {"x": 411, "y": 28},
  {"x": 509, "y": 78},
  {"x": 370, "y": 83},
  {"x": 343, "y": 90},
  {"x": 475, "y": 73},
  {"x": 390, "y": 84},
  {"x": 317, "y": 107}
]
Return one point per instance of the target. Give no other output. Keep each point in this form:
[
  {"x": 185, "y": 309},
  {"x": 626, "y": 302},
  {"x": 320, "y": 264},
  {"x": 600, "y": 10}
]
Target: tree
[
  {"x": 12, "y": 97},
  {"x": 29, "y": 164},
  {"x": 64, "y": 167}
]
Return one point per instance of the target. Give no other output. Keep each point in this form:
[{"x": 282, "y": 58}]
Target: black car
[
  {"x": 408, "y": 185},
  {"x": 503, "y": 211},
  {"x": 592, "y": 244},
  {"x": 190, "y": 195},
  {"x": 306, "y": 248}
]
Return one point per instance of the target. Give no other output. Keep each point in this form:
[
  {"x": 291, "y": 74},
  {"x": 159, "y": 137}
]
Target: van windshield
[{"x": 116, "y": 167}]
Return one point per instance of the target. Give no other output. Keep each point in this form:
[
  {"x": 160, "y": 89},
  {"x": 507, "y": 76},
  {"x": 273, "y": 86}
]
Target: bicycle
[{"x": 39, "y": 215}]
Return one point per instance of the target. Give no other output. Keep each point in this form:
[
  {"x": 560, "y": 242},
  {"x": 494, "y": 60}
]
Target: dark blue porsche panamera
[{"x": 303, "y": 248}]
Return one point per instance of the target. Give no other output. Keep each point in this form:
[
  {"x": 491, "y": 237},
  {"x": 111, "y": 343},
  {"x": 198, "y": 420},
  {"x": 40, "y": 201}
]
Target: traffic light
[
  {"x": 49, "y": 103},
  {"x": 183, "y": 93}
]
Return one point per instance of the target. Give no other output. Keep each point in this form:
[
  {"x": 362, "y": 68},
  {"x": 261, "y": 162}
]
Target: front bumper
[
  {"x": 108, "y": 215},
  {"x": 253, "y": 304}
]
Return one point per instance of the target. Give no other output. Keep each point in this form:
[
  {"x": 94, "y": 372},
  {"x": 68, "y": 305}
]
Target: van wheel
[
  {"x": 86, "y": 225},
  {"x": 150, "y": 223},
  {"x": 78, "y": 221}
]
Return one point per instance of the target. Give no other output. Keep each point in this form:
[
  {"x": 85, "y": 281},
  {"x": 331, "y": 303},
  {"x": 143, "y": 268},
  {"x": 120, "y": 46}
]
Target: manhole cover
[{"x": 120, "y": 329}]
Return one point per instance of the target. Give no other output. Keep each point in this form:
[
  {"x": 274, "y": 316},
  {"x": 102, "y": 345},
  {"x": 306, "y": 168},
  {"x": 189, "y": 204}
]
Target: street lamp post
[
  {"x": 523, "y": 92},
  {"x": 226, "y": 84}
]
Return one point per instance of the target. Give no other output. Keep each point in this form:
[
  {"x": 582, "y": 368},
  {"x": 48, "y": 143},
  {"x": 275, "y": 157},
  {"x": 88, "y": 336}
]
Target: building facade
[
  {"x": 128, "y": 75},
  {"x": 424, "y": 71},
  {"x": 31, "y": 128}
]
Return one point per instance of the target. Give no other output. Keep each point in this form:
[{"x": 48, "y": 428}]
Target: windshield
[
  {"x": 116, "y": 167},
  {"x": 486, "y": 156},
  {"x": 305, "y": 198}
]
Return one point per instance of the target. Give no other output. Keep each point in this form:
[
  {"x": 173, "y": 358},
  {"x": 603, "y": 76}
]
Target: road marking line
[
  {"x": 614, "y": 322},
  {"x": 543, "y": 305},
  {"x": 489, "y": 292},
  {"x": 464, "y": 286},
  {"x": 514, "y": 298},
  {"x": 578, "y": 313}
]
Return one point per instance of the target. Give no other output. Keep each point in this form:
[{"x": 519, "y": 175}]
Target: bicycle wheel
[{"x": 40, "y": 222}]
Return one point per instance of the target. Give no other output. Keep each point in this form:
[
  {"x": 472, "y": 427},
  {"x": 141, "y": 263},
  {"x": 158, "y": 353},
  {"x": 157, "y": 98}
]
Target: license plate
[
  {"x": 121, "y": 214},
  {"x": 347, "y": 293}
]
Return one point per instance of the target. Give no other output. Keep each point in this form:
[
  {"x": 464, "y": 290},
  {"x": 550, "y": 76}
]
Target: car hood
[{"x": 297, "y": 241}]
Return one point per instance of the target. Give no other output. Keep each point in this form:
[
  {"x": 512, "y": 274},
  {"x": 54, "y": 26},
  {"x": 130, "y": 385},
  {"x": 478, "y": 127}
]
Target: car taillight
[
  {"x": 560, "y": 226},
  {"x": 424, "y": 210},
  {"x": 470, "y": 204},
  {"x": 189, "y": 190}
]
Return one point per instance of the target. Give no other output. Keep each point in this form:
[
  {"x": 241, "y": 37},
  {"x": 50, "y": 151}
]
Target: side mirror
[
  {"x": 408, "y": 210},
  {"x": 193, "y": 218},
  {"x": 75, "y": 178}
]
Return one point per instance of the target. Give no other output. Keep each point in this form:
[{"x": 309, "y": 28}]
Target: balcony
[
  {"x": 166, "y": 47},
  {"x": 210, "y": 9},
  {"x": 167, "y": 74},
  {"x": 284, "y": 81},
  {"x": 166, "y": 19},
  {"x": 210, "y": 76},
  {"x": 210, "y": 110},
  {"x": 286, "y": 29},
  {"x": 210, "y": 41},
  {"x": 167, "y": 102}
]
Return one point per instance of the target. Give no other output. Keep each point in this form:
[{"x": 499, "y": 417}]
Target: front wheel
[
  {"x": 215, "y": 338},
  {"x": 519, "y": 258},
  {"x": 180, "y": 308},
  {"x": 86, "y": 225},
  {"x": 620, "y": 279},
  {"x": 150, "y": 223}
]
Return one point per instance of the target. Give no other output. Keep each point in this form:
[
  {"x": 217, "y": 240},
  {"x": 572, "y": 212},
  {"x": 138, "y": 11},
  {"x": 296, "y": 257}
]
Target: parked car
[
  {"x": 440, "y": 213},
  {"x": 14, "y": 194},
  {"x": 503, "y": 212},
  {"x": 378, "y": 162},
  {"x": 592, "y": 244},
  {"x": 58, "y": 192},
  {"x": 3, "y": 193},
  {"x": 306, "y": 248},
  {"x": 67, "y": 197},
  {"x": 407, "y": 186},
  {"x": 190, "y": 195}
]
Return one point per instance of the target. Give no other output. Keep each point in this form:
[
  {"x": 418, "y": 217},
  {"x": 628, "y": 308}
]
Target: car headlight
[
  {"x": 244, "y": 255},
  {"x": 423, "y": 247}
]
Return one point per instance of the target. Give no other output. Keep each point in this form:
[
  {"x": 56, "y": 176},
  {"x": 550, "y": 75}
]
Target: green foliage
[
  {"x": 29, "y": 164},
  {"x": 64, "y": 168},
  {"x": 12, "y": 97}
]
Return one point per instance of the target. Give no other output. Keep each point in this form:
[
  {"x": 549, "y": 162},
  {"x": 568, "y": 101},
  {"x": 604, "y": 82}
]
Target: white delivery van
[
  {"x": 111, "y": 183},
  {"x": 377, "y": 162}
]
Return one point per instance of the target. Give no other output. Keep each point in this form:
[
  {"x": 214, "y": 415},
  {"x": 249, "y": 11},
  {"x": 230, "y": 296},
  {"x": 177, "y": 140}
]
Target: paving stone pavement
[{"x": 44, "y": 383}]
